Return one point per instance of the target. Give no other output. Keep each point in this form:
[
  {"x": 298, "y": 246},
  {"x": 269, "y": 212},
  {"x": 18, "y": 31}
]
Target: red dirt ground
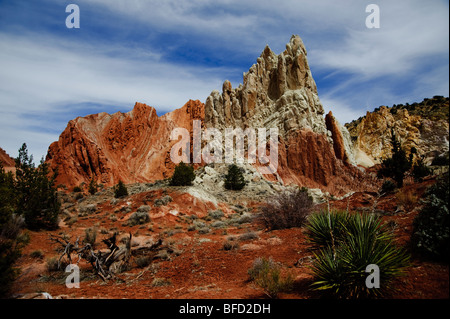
[{"x": 202, "y": 269}]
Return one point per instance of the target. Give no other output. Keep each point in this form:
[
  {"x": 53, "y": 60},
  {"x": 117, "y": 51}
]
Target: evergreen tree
[
  {"x": 93, "y": 187},
  {"x": 234, "y": 180},
  {"x": 37, "y": 199},
  {"x": 397, "y": 165},
  {"x": 120, "y": 190},
  {"x": 183, "y": 175}
]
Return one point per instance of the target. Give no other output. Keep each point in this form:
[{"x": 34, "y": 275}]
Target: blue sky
[{"x": 164, "y": 53}]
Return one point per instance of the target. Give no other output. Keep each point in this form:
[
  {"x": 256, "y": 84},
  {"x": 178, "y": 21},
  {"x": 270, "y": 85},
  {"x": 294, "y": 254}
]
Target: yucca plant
[
  {"x": 325, "y": 227},
  {"x": 355, "y": 241}
]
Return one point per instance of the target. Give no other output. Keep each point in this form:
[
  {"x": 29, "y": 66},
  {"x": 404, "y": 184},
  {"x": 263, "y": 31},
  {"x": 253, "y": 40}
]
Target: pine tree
[
  {"x": 183, "y": 175},
  {"x": 234, "y": 180},
  {"x": 397, "y": 165},
  {"x": 37, "y": 198},
  {"x": 120, "y": 190},
  {"x": 93, "y": 187}
]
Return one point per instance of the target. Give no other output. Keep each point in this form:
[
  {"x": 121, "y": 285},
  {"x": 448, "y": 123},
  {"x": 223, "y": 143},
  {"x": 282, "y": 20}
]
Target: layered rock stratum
[{"x": 5, "y": 159}]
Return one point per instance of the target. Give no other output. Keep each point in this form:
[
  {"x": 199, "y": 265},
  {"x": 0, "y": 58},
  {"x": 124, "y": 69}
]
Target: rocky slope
[
  {"x": 423, "y": 126},
  {"x": 277, "y": 92}
]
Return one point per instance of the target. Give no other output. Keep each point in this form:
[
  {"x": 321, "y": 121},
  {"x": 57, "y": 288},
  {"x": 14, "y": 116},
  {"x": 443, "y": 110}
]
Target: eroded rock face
[
  {"x": 132, "y": 147},
  {"x": 372, "y": 135},
  {"x": 277, "y": 91}
]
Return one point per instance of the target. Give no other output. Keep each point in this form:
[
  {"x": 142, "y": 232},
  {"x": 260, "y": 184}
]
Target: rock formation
[
  {"x": 5, "y": 159},
  {"x": 423, "y": 126},
  {"x": 277, "y": 92},
  {"x": 132, "y": 147}
]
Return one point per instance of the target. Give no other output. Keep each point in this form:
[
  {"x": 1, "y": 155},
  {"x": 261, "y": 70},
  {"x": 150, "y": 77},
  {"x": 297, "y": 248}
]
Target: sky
[{"x": 165, "y": 52}]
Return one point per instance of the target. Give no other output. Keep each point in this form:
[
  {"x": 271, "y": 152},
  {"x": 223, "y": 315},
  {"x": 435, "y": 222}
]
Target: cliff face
[
  {"x": 132, "y": 147},
  {"x": 277, "y": 92},
  {"x": 423, "y": 126}
]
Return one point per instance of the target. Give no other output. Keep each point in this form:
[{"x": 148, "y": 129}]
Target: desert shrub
[
  {"x": 430, "y": 237},
  {"x": 183, "y": 175},
  {"x": 90, "y": 236},
  {"x": 160, "y": 282},
  {"x": 407, "y": 199},
  {"x": 138, "y": 218},
  {"x": 248, "y": 236},
  {"x": 216, "y": 214},
  {"x": 355, "y": 241},
  {"x": 218, "y": 224},
  {"x": 286, "y": 210},
  {"x": 267, "y": 274},
  {"x": 234, "y": 180},
  {"x": 387, "y": 187},
  {"x": 143, "y": 261},
  {"x": 52, "y": 264},
  {"x": 204, "y": 230},
  {"x": 120, "y": 190},
  {"x": 230, "y": 245},
  {"x": 163, "y": 201}
]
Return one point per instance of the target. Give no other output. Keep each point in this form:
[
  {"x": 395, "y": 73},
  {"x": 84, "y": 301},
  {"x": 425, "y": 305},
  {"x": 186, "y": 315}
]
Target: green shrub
[
  {"x": 143, "y": 261},
  {"x": 183, "y": 175},
  {"x": 355, "y": 241},
  {"x": 430, "y": 237},
  {"x": 120, "y": 190},
  {"x": 234, "y": 180},
  {"x": 420, "y": 170},
  {"x": 267, "y": 274},
  {"x": 286, "y": 210}
]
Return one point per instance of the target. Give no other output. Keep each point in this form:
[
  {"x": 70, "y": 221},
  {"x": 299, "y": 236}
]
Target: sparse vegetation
[
  {"x": 138, "y": 218},
  {"x": 93, "y": 186},
  {"x": 286, "y": 210},
  {"x": 387, "y": 187},
  {"x": 267, "y": 274}
]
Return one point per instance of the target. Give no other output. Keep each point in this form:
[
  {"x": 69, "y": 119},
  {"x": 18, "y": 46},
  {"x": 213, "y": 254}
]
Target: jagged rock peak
[{"x": 277, "y": 91}]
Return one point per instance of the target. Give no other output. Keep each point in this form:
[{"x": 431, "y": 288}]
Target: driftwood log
[{"x": 106, "y": 263}]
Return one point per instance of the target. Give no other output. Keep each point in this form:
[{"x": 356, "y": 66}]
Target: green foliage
[
  {"x": 234, "y": 180},
  {"x": 77, "y": 189},
  {"x": 120, "y": 190},
  {"x": 267, "y": 274},
  {"x": 430, "y": 237},
  {"x": 441, "y": 160},
  {"x": 93, "y": 186},
  {"x": 183, "y": 175},
  {"x": 286, "y": 210},
  {"x": 36, "y": 195},
  {"x": 353, "y": 243},
  {"x": 397, "y": 165}
]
